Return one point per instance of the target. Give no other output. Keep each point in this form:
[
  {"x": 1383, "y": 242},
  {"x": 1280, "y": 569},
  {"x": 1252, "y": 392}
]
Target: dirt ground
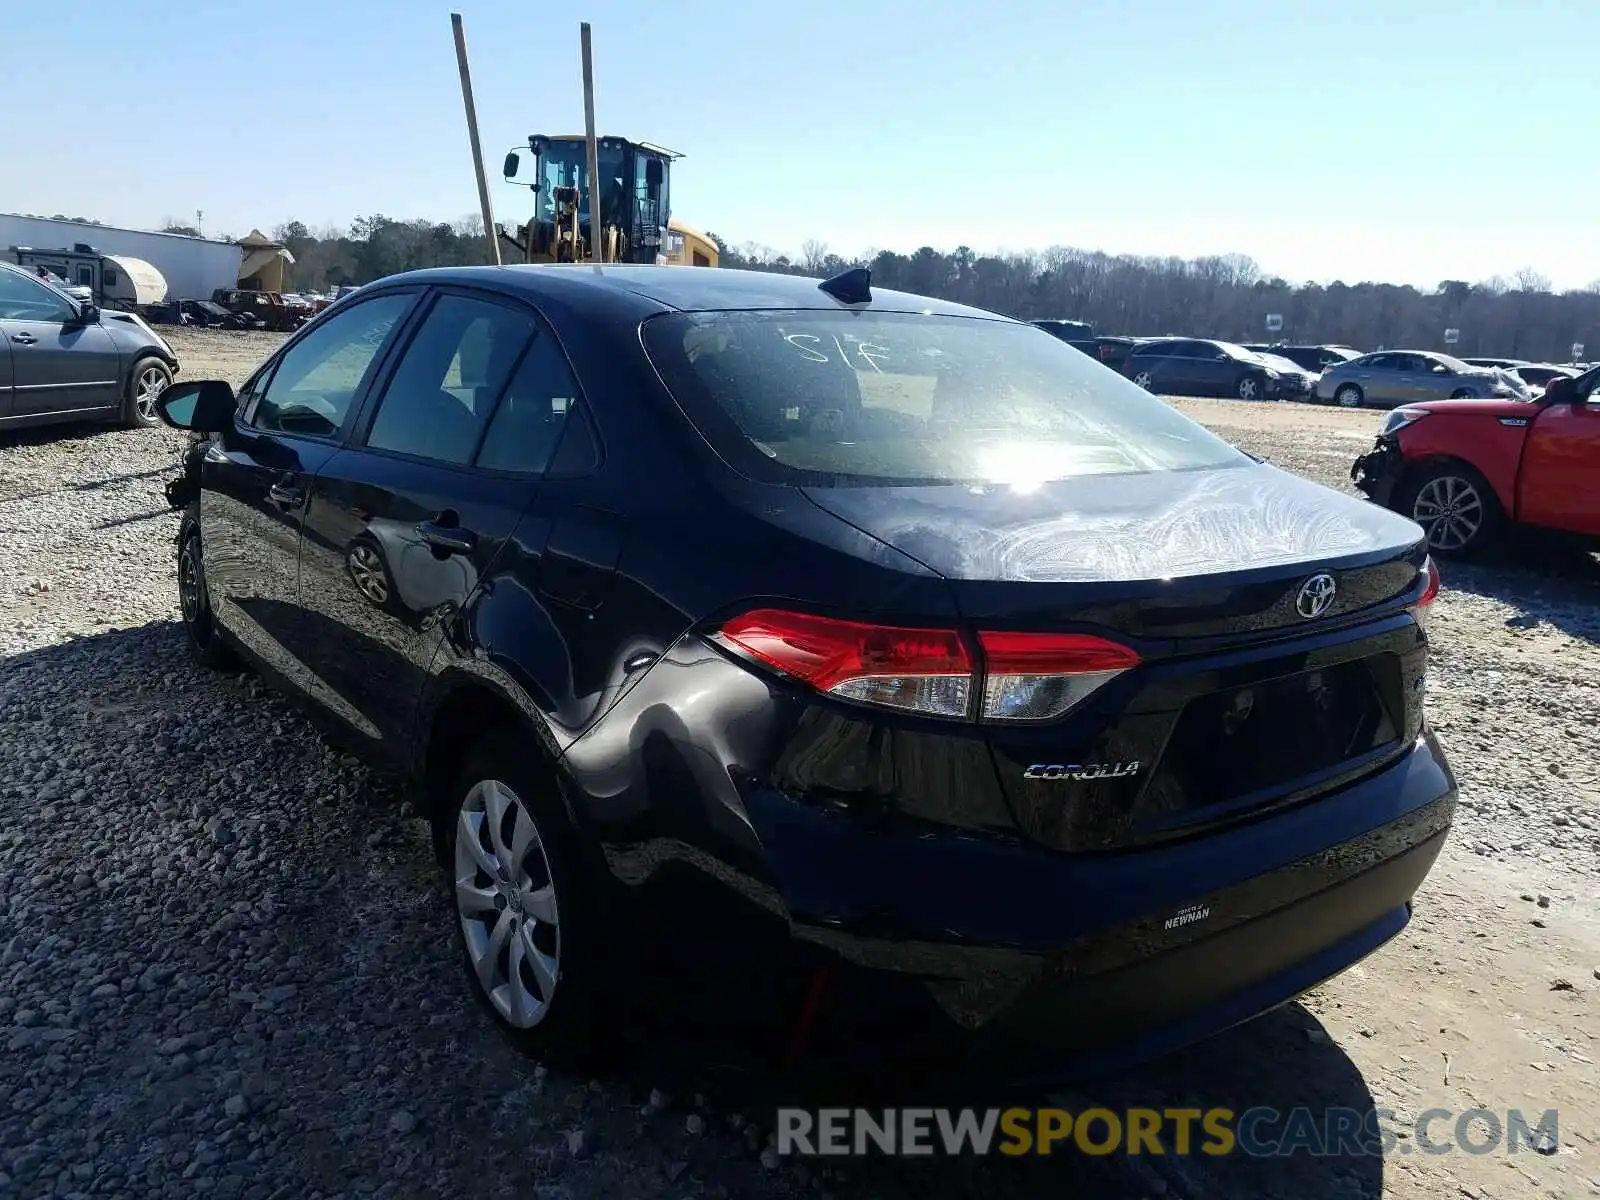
[{"x": 1491, "y": 998}]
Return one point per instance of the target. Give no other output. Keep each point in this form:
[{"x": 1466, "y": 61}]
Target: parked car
[
  {"x": 1537, "y": 376},
  {"x": 1066, "y": 330},
  {"x": 267, "y": 310},
  {"x": 63, "y": 359},
  {"x": 1195, "y": 367},
  {"x": 1391, "y": 377},
  {"x": 756, "y": 621},
  {"x": 1465, "y": 470},
  {"x": 205, "y": 314},
  {"x": 1315, "y": 359},
  {"x": 1496, "y": 362},
  {"x": 1108, "y": 351}
]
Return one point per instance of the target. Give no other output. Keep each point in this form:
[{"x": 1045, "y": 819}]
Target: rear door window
[
  {"x": 831, "y": 396},
  {"x": 539, "y": 406},
  {"x": 440, "y": 397}
]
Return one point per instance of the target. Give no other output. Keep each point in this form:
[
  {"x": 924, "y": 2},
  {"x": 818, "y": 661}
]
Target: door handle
[
  {"x": 286, "y": 493},
  {"x": 26, "y": 339},
  {"x": 451, "y": 538}
]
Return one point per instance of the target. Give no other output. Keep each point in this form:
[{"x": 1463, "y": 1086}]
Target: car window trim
[
  {"x": 542, "y": 326},
  {"x": 341, "y": 436}
]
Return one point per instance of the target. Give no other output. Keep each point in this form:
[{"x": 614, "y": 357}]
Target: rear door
[
  {"x": 402, "y": 526},
  {"x": 59, "y": 364},
  {"x": 1559, "y": 484},
  {"x": 256, "y": 478}
]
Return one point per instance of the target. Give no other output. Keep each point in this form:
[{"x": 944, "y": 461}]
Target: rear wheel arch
[{"x": 466, "y": 713}]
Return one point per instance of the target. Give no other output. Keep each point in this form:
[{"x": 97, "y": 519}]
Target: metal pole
[
  {"x": 596, "y": 226},
  {"x": 472, "y": 132}
]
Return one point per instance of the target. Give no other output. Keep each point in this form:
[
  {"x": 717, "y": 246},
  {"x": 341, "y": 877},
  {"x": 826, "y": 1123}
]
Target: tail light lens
[
  {"x": 1024, "y": 676},
  {"x": 1430, "y": 592},
  {"x": 1037, "y": 676},
  {"x": 921, "y": 670}
]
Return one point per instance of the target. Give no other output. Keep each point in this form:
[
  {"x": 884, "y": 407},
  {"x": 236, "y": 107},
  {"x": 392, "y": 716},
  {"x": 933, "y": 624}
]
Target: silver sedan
[{"x": 1392, "y": 377}]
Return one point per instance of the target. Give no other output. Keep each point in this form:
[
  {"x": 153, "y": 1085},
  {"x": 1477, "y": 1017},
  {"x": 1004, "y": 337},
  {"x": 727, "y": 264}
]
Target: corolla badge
[
  {"x": 1081, "y": 772},
  {"x": 1316, "y": 595}
]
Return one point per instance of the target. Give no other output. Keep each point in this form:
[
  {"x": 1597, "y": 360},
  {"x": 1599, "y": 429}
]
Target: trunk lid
[
  {"x": 1175, "y": 554},
  {"x": 1242, "y": 701}
]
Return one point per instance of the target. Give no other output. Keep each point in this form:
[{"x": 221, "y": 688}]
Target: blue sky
[{"x": 1356, "y": 139}]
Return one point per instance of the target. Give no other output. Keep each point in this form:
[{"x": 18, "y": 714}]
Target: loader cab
[{"x": 633, "y": 190}]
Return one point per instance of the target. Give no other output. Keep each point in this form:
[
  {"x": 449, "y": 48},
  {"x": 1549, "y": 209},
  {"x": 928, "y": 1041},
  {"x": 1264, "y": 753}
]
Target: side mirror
[
  {"x": 203, "y": 406},
  {"x": 86, "y": 314},
  {"x": 510, "y": 166},
  {"x": 1560, "y": 390}
]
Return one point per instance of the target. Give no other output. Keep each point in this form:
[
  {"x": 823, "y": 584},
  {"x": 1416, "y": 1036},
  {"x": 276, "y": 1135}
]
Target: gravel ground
[{"x": 226, "y": 970}]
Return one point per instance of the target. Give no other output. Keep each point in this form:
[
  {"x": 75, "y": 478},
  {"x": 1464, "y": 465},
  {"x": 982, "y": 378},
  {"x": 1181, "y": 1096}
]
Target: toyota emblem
[{"x": 1316, "y": 596}]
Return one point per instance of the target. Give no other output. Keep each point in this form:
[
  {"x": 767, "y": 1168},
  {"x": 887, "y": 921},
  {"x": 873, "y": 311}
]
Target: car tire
[
  {"x": 1455, "y": 506},
  {"x": 1463, "y": 394},
  {"x": 206, "y": 645},
  {"x": 148, "y": 379},
  {"x": 538, "y": 916},
  {"x": 1250, "y": 386},
  {"x": 1143, "y": 379},
  {"x": 1348, "y": 395}
]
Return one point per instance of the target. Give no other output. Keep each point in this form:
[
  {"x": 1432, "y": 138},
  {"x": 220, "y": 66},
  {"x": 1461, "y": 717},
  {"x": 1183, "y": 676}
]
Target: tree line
[{"x": 1226, "y": 296}]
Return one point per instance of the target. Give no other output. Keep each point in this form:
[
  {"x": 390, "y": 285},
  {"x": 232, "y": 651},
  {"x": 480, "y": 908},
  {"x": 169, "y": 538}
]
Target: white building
[{"x": 193, "y": 267}]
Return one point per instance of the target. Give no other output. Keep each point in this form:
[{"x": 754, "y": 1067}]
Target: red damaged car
[{"x": 1465, "y": 470}]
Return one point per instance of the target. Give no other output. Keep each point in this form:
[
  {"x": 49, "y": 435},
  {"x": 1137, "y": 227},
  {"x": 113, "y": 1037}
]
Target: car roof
[{"x": 689, "y": 289}]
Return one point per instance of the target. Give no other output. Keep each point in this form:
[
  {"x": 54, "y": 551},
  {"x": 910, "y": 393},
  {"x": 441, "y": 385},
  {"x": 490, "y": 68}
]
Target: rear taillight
[
  {"x": 1024, "y": 676},
  {"x": 1037, "y": 676},
  {"x": 1430, "y": 591}
]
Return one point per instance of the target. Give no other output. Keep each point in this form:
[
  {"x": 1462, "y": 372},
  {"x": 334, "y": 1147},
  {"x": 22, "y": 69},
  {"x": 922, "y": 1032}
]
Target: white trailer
[{"x": 193, "y": 267}]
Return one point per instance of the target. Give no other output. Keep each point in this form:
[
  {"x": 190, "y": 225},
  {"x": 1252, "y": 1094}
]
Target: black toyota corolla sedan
[{"x": 829, "y": 642}]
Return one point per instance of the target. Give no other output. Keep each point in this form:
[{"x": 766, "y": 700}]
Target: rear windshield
[{"x": 851, "y": 398}]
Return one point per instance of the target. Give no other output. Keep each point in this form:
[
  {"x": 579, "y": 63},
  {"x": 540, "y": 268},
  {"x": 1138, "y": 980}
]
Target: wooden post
[
  {"x": 472, "y": 132},
  {"x": 596, "y": 226}
]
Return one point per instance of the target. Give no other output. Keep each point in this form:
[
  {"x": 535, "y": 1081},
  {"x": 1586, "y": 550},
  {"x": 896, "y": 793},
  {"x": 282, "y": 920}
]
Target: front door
[
  {"x": 401, "y": 527},
  {"x": 256, "y": 478},
  {"x": 59, "y": 363},
  {"x": 1559, "y": 484}
]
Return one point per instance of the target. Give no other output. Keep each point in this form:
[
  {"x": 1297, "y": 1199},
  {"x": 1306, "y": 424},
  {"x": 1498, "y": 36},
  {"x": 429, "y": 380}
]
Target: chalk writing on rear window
[{"x": 808, "y": 344}]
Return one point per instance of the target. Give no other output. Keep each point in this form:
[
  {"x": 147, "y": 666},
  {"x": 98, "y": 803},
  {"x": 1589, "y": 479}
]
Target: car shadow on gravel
[
  {"x": 229, "y": 969},
  {"x": 1547, "y": 583}
]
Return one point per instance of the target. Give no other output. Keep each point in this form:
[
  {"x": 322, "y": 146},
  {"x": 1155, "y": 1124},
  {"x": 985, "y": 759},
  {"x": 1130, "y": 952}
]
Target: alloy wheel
[
  {"x": 1249, "y": 388},
  {"x": 151, "y": 383},
  {"x": 366, "y": 569},
  {"x": 1450, "y": 511},
  {"x": 1348, "y": 397},
  {"x": 506, "y": 902},
  {"x": 1143, "y": 380}
]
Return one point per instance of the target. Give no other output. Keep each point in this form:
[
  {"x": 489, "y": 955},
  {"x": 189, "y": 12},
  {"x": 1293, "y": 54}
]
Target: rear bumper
[
  {"x": 1054, "y": 965},
  {"x": 1377, "y": 472}
]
